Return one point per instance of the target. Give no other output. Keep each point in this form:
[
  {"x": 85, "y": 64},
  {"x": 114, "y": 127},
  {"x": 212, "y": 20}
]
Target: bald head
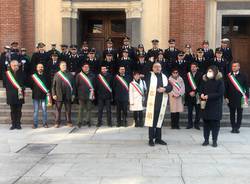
[{"x": 14, "y": 65}]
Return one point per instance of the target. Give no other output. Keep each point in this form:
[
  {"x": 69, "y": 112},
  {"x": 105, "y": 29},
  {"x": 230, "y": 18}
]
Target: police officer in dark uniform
[
  {"x": 235, "y": 99},
  {"x": 171, "y": 53},
  {"x": 121, "y": 95},
  {"x": 110, "y": 49},
  {"x": 14, "y": 51},
  {"x": 104, "y": 94},
  {"x": 181, "y": 64},
  {"x": 189, "y": 56},
  {"x": 84, "y": 51},
  {"x": 64, "y": 56},
  {"x": 160, "y": 59},
  {"x": 131, "y": 50},
  {"x": 154, "y": 52},
  {"x": 53, "y": 50},
  {"x": 109, "y": 63},
  {"x": 227, "y": 53},
  {"x": 127, "y": 62},
  {"x": 74, "y": 61},
  {"x": 5, "y": 59},
  {"x": 93, "y": 62},
  {"x": 25, "y": 66},
  {"x": 201, "y": 61},
  {"x": 140, "y": 51},
  {"x": 52, "y": 68},
  {"x": 41, "y": 56},
  {"x": 141, "y": 65},
  {"x": 208, "y": 53},
  {"x": 220, "y": 62}
]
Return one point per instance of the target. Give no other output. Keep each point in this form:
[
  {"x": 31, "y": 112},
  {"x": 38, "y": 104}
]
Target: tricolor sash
[
  {"x": 13, "y": 81},
  {"x": 87, "y": 81},
  {"x": 176, "y": 85},
  {"x": 191, "y": 81},
  {"x": 122, "y": 81},
  {"x": 65, "y": 79},
  {"x": 236, "y": 84},
  {"x": 15, "y": 84},
  {"x": 104, "y": 83},
  {"x": 137, "y": 87},
  {"x": 151, "y": 102},
  {"x": 43, "y": 87}
]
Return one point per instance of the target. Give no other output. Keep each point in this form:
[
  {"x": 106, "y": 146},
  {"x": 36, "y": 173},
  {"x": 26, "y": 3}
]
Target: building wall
[
  {"x": 17, "y": 23},
  {"x": 187, "y": 22}
]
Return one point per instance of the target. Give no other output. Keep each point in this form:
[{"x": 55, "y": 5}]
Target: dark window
[
  {"x": 118, "y": 26},
  {"x": 95, "y": 26}
]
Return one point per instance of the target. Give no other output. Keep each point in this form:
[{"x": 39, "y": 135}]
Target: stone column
[
  {"x": 69, "y": 25},
  {"x": 133, "y": 24}
]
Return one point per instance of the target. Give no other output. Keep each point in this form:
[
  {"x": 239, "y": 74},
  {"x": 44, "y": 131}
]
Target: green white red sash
[
  {"x": 191, "y": 81},
  {"x": 89, "y": 84},
  {"x": 236, "y": 84},
  {"x": 137, "y": 87},
  {"x": 43, "y": 87},
  {"x": 176, "y": 85},
  {"x": 122, "y": 81},
  {"x": 13, "y": 81},
  {"x": 104, "y": 83},
  {"x": 65, "y": 79}
]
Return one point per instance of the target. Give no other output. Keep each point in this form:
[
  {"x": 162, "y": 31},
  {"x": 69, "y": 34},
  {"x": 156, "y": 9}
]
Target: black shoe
[
  {"x": 118, "y": 124},
  {"x": 233, "y": 131},
  {"x": 110, "y": 124},
  {"x": 178, "y": 127},
  {"x": 197, "y": 127},
  {"x": 12, "y": 127},
  {"x": 215, "y": 144},
  {"x": 18, "y": 127},
  {"x": 189, "y": 127},
  {"x": 99, "y": 125},
  {"x": 161, "y": 142},
  {"x": 151, "y": 142},
  {"x": 89, "y": 124},
  {"x": 79, "y": 125},
  {"x": 205, "y": 143},
  {"x": 237, "y": 131}
]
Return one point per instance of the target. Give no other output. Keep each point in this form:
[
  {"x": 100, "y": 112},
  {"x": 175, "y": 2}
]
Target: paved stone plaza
[{"x": 121, "y": 156}]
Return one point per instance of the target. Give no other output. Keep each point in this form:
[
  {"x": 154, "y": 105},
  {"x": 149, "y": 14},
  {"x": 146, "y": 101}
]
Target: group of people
[{"x": 129, "y": 78}]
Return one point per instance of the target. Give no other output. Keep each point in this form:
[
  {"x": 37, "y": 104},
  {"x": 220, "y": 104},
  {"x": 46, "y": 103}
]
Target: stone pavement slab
[{"x": 121, "y": 156}]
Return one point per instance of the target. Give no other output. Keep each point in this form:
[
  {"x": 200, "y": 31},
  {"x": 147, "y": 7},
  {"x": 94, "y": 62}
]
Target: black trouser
[
  {"x": 175, "y": 118},
  {"x": 211, "y": 125},
  {"x": 191, "y": 106},
  {"x": 138, "y": 117},
  {"x": 16, "y": 114},
  {"x": 101, "y": 103},
  {"x": 154, "y": 132},
  {"x": 67, "y": 105},
  {"x": 122, "y": 108},
  {"x": 235, "y": 125}
]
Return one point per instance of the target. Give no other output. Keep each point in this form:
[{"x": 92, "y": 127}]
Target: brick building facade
[
  {"x": 17, "y": 22},
  {"x": 63, "y": 21}
]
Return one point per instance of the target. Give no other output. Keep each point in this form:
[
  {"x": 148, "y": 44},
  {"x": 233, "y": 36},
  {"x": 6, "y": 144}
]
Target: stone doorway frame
[
  {"x": 220, "y": 14},
  {"x": 70, "y": 11}
]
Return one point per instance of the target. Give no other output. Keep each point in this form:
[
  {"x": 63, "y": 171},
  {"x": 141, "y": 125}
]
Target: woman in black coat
[{"x": 212, "y": 91}]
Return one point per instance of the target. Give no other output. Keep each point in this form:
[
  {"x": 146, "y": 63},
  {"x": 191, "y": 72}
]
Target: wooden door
[
  {"x": 99, "y": 26},
  {"x": 241, "y": 53}
]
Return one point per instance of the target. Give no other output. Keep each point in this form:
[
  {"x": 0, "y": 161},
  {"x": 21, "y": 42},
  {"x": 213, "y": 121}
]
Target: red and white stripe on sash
[
  {"x": 191, "y": 81},
  {"x": 238, "y": 87},
  {"x": 176, "y": 85},
  {"x": 137, "y": 87},
  {"x": 13, "y": 81},
  {"x": 65, "y": 79},
  {"x": 104, "y": 83},
  {"x": 89, "y": 84},
  {"x": 122, "y": 81}
]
